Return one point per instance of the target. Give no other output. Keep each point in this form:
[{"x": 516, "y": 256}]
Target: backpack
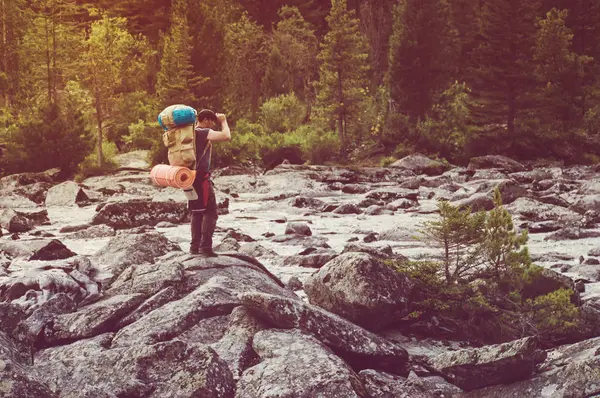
[{"x": 178, "y": 122}]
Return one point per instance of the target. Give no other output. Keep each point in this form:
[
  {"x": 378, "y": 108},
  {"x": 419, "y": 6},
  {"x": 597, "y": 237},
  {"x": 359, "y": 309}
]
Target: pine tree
[
  {"x": 503, "y": 78},
  {"x": 291, "y": 64},
  {"x": 244, "y": 67},
  {"x": 466, "y": 15},
  {"x": 343, "y": 78},
  {"x": 560, "y": 72},
  {"x": 12, "y": 27},
  {"x": 423, "y": 52},
  {"x": 176, "y": 81},
  {"x": 208, "y": 28},
  {"x": 105, "y": 61}
]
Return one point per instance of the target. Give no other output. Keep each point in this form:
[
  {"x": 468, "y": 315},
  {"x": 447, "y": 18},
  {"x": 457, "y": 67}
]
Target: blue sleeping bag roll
[{"x": 175, "y": 116}]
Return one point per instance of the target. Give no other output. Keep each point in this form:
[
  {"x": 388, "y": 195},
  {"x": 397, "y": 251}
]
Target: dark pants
[{"x": 204, "y": 223}]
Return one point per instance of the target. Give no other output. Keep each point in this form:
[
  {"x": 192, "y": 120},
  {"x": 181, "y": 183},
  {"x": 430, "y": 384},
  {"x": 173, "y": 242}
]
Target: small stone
[{"x": 294, "y": 284}]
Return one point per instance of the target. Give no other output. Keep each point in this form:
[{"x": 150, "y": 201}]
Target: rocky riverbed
[{"x": 99, "y": 297}]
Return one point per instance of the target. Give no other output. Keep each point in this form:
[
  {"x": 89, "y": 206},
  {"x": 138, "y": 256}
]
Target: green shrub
[
  {"x": 386, "y": 161},
  {"x": 90, "y": 168},
  {"x": 142, "y": 135},
  {"x": 553, "y": 314},
  {"x": 317, "y": 146},
  {"x": 54, "y": 138},
  {"x": 483, "y": 268},
  {"x": 282, "y": 113}
]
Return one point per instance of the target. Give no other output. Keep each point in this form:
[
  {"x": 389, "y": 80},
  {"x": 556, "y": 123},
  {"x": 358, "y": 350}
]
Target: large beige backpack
[{"x": 178, "y": 122}]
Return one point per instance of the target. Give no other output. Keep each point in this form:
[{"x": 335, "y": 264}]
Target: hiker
[{"x": 204, "y": 209}]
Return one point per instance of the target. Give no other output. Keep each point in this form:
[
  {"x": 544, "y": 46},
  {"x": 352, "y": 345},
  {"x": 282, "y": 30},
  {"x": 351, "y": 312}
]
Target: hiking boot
[
  {"x": 207, "y": 252},
  {"x": 194, "y": 250}
]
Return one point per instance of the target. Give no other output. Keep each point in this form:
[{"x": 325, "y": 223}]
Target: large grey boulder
[
  {"x": 313, "y": 259},
  {"x": 392, "y": 194},
  {"x": 93, "y": 232},
  {"x": 125, "y": 250},
  {"x": 587, "y": 203},
  {"x": 173, "y": 369},
  {"x": 135, "y": 213},
  {"x": 386, "y": 385},
  {"x": 495, "y": 162},
  {"x": 235, "y": 346},
  {"x": 570, "y": 371},
  {"x": 13, "y": 221},
  {"x": 475, "y": 368},
  {"x": 296, "y": 365},
  {"x": 298, "y": 228},
  {"x": 68, "y": 193},
  {"x": 35, "y": 192},
  {"x": 421, "y": 164},
  {"x": 218, "y": 296},
  {"x": 147, "y": 279},
  {"x": 16, "y": 380},
  {"x": 30, "y": 330},
  {"x": 361, "y": 289},
  {"x": 534, "y": 210},
  {"x": 361, "y": 348}
]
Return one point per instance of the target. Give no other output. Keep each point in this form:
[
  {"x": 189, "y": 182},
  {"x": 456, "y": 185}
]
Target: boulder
[
  {"x": 297, "y": 228},
  {"x": 301, "y": 240},
  {"x": 534, "y": 210},
  {"x": 68, "y": 193},
  {"x": 255, "y": 249},
  {"x": 87, "y": 369},
  {"x": 420, "y": 164},
  {"x": 218, "y": 296},
  {"x": 475, "y": 368},
  {"x": 569, "y": 371},
  {"x": 412, "y": 182},
  {"x": 53, "y": 250},
  {"x": 361, "y": 289},
  {"x": 386, "y": 385},
  {"x": 378, "y": 210},
  {"x": 303, "y": 202},
  {"x": 238, "y": 236},
  {"x": 135, "y": 213},
  {"x": 227, "y": 245},
  {"x": 16, "y": 378},
  {"x": 355, "y": 188},
  {"x": 359, "y": 347},
  {"x": 13, "y": 221},
  {"x": 548, "y": 281},
  {"x": 91, "y": 320},
  {"x": 147, "y": 279},
  {"x": 314, "y": 259},
  {"x": 235, "y": 346},
  {"x": 347, "y": 208},
  {"x": 94, "y": 232},
  {"x": 495, "y": 162},
  {"x": 39, "y": 217},
  {"x": 125, "y": 250},
  {"x": 381, "y": 252},
  {"x": 35, "y": 192},
  {"x": 594, "y": 252},
  {"x": 398, "y": 234},
  {"x": 389, "y": 195},
  {"x": 572, "y": 233},
  {"x": 587, "y": 203},
  {"x": 296, "y": 365}
]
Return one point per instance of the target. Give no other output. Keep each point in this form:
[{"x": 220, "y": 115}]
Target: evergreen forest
[{"x": 313, "y": 81}]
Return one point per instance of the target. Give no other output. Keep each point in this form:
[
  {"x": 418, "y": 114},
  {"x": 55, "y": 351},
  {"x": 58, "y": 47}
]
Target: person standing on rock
[{"x": 204, "y": 208}]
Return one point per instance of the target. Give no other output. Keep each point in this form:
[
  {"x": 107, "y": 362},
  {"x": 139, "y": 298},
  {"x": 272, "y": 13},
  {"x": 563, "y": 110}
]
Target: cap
[{"x": 207, "y": 114}]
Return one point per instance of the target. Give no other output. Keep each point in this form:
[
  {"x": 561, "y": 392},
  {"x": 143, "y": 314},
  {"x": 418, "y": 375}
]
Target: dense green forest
[{"x": 347, "y": 81}]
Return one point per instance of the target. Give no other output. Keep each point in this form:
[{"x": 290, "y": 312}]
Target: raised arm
[{"x": 224, "y": 134}]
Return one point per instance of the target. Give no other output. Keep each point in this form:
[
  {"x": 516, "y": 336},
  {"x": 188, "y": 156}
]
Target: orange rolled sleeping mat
[{"x": 172, "y": 176}]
